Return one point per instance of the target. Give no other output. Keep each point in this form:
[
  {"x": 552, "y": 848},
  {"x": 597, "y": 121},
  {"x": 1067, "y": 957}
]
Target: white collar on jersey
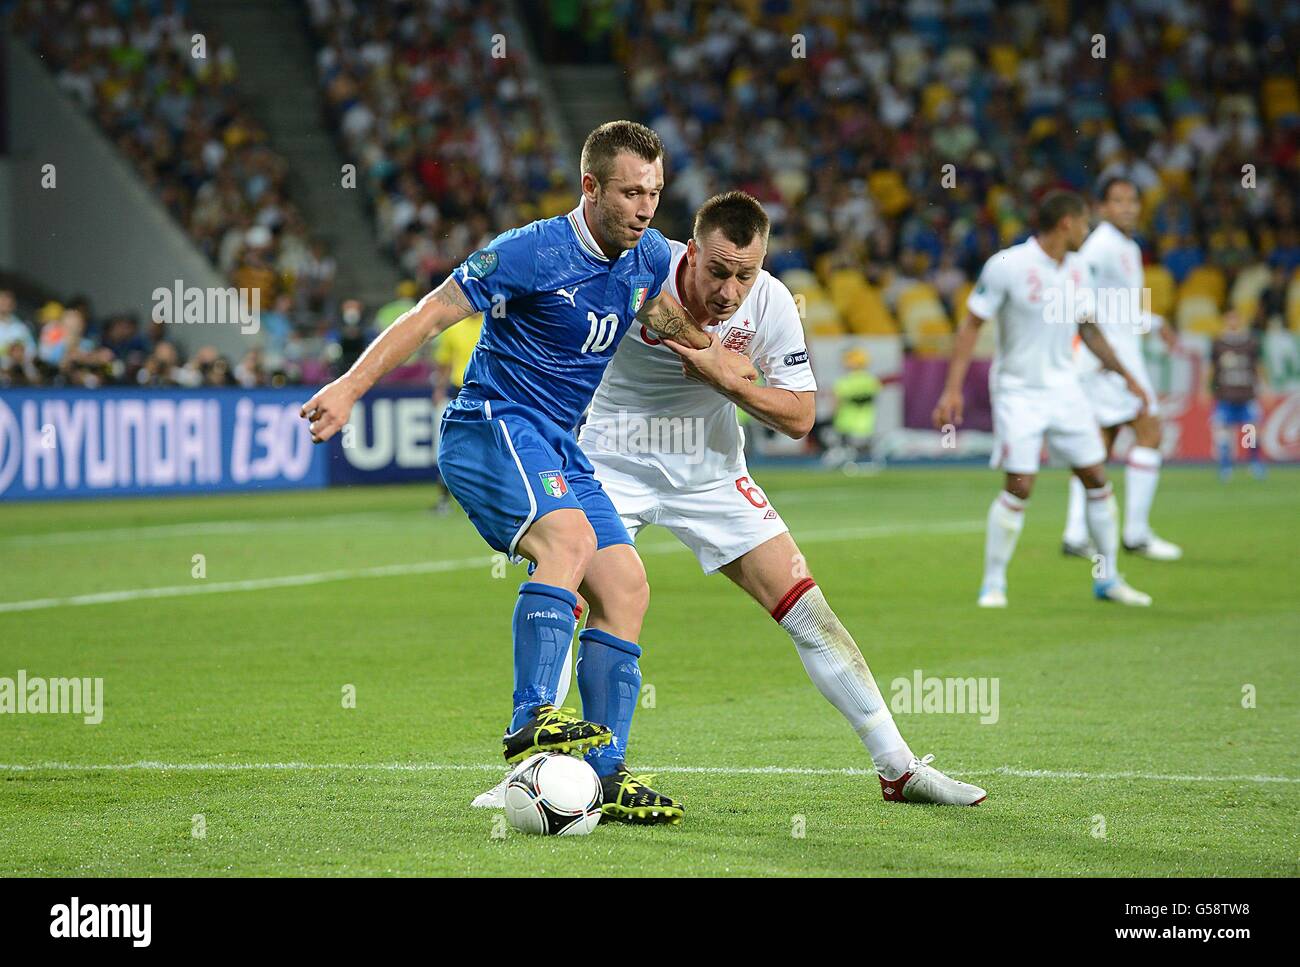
[{"x": 578, "y": 222}]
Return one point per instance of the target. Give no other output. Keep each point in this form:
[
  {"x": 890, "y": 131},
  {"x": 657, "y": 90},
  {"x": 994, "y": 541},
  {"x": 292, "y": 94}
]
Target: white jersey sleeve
[
  {"x": 990, "y": 289},
  {"x": 781, "y": 351}
]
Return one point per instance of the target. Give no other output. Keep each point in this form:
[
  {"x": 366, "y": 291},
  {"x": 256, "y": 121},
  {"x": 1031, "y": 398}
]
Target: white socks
[
  {"x": 1141, "y": 477},
  {"x": 1006, "y": 520},
  {"x": 837, "y": 668},
  {"x": 1140, "y": 480},
  {"x": 1076, "y": 521},
  {"x": 1103, "y": 525}
]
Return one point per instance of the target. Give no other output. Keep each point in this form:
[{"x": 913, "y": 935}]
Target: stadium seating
[{"x": 949, "y": 68}]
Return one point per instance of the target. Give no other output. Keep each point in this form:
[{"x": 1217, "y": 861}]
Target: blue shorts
[
  {"x": 508, "y": 465},
  {"x": 1236, "y": 413}
]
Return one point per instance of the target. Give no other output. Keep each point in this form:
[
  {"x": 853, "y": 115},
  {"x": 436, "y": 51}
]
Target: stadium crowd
[
  {"x": 173, "y": 109},
  {"x": 69, "y": 345},
  {"x": 895, "y": 160},
  {"x": 438, "y": 108}
]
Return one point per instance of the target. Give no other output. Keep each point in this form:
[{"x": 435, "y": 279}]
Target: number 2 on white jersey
[{"x": 602, "y": 332}]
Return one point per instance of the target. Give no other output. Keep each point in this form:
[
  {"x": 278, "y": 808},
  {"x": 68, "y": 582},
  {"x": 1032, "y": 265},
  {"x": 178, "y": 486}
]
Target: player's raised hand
[
  {"x": 328, "y": 411},
  {"x": 716, "y": 366},
  {"x": 949, "y": 409}
]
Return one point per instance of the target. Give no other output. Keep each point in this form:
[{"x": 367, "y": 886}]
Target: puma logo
[{"x": 569, "y": 294}]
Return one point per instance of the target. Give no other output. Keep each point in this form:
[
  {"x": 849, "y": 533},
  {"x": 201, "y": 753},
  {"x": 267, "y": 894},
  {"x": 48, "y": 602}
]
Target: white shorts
[
  {"x": 1112, "y": 403},
  {"x": 719, "y": 523},
  {"x": 1023, "y": 420}
]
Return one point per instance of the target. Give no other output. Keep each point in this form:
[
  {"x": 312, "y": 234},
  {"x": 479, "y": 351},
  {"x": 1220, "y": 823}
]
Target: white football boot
[
  {"x": 1155, "y": 549},
  {"x": 1117, "y": 589},
  {"x": 923, "y": 783},
  {"x": 494, "y": 798},
  {"x": 992, "y": 598}
]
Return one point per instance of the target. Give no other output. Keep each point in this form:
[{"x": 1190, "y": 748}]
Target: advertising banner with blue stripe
[
  {"x": 59, "y": 443},
  {"x": 392, "y": 437}
]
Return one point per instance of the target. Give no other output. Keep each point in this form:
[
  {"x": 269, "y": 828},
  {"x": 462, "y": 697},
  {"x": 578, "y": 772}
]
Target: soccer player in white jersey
[
  {"x": 663, "y": 436},
  {"x": 1038, "y": 293},
  {"x": 1115, "y": 261}
]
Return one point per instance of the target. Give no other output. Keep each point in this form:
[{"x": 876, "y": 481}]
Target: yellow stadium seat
[
  {"x": 845, "y": 287},
  {"x": 1186, "y": 124},
  {"x": 821, "y": 319},
  {"x": 1248, "y": 287},
  {"x": 889, "y": 191},
  {"x": 1004, "y": 60},
  {"x": 1293, "y": 302},
  {"x": 933, "y": 338},
  {"x": 1204, "y": 280},
  {"x": 1160, "y": 281},
  {"x": 1280, "y": 96},
  {"x": 933, "y": 98},
  {"x": 1177, "y": 181},
  {"x": 1199, "y": 313},
  {"x": 1008, "y": 229},
  {"x": 919, "y": 303},
  {"x": 1151, "y": 199},
  {"x": 959, "y": 302},
  {"x": 869, "y": 316}
]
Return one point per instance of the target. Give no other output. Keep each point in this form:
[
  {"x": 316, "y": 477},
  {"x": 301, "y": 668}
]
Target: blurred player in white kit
[
  {"x": 1115, "y": 262},
  {"x": 1039, "y": 292}
]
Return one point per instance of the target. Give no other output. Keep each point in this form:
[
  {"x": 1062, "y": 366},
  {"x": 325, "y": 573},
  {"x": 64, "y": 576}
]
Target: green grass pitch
[{"x": 1122, "y": 744}]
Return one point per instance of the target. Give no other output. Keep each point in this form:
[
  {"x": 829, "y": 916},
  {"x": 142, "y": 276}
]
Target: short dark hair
[
  {"x": 1110, "y": 181},
  {"x": 605, "y": 142},
  {"x": 737, "y": 215},
  {"x": 1055, "y": 205}
]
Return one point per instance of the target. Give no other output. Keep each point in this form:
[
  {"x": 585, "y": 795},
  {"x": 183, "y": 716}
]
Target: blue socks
[
  {"x": 543, "y": 630},
  {"x": 609, "y": 679}
]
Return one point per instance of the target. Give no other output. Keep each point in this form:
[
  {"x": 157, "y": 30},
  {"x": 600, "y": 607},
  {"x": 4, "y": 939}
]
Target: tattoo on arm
[
  {"x": 450, "y": 295},
  {"x": 672, "y": 321}
]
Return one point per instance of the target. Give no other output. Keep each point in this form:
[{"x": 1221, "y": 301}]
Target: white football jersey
[
  {"x": 645, "y": 413},
  {"x": 1035, "y": 301},
  {"x": 1115, "y": 263}
]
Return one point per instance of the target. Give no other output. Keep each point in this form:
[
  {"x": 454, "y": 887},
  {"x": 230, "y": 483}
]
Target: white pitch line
[
  {"x": 203, "y": 528},
  {"x": 256, "y": 584},
  {"x": 149, "y": 766},
  {"x": 432, "y": 567}
]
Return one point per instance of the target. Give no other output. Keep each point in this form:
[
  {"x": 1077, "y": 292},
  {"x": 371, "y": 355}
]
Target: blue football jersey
[{"x": 554, "y": 309}]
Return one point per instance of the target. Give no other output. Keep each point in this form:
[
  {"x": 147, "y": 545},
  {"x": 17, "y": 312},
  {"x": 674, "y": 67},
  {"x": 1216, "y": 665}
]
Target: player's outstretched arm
[
  {"x": 1100, "y": 347},
  {"x": 950, "y": 405},
  {"x": 327, "y": 412}
]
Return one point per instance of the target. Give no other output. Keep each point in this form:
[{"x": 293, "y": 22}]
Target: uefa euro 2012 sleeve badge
[
  {"x": 481, "y": 264},
  {"x": 553, "y": 483}
]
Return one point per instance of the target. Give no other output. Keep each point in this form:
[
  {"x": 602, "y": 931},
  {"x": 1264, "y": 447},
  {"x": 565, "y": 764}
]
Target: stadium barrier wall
[
  {"x": 121, "y": 442},
  {"x": 392, "y": 437}
]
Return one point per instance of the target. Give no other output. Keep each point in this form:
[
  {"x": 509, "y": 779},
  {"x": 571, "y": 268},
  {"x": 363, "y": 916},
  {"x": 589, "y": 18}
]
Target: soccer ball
[{"x": 553, "y": 794}]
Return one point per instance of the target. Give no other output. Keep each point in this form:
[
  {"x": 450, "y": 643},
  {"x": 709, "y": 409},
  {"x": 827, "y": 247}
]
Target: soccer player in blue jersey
[{"x": 557, "y": 296}]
